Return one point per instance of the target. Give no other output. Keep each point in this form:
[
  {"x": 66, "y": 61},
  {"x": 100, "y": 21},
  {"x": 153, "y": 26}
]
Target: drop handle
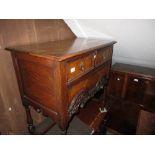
[
  {"x": 118, "y": 79},
  {"x": 82, "y": 66},
  {"x": 104, "y": 56},
  {"x": 136, "y": 80}
]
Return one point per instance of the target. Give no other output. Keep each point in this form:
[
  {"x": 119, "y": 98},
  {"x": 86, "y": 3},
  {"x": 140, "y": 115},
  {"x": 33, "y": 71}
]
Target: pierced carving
[
  {"x": 83, "y": 96},
  {"x": 80, "y": 99}
]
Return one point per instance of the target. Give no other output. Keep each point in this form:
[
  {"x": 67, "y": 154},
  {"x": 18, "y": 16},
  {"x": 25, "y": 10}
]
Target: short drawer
[
  {"x": 102, "y": 55},
  {"x": 135, "y": 90},
  {"x": 115, "y": 85},
  {"x": 79, "y": 66}
]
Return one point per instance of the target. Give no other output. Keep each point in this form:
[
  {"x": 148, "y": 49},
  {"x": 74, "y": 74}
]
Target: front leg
[
  {"x": 64, "y": 132},
  {"x": 104, "y": 97},
  {"x": 31, "y": 127},
  {"x": 64, "y": 127}
]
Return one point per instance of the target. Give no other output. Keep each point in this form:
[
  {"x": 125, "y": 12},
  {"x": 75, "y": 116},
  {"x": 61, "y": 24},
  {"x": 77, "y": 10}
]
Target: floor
[
  {"x": 76, "y": 127},
  {"x": 88, "y": 121},
  {"x": 122, "y": 121}
]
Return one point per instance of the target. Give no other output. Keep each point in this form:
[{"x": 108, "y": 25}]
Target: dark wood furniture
[
  {"x": 133, "y": 83},
  {"x": 146, "y": 123},
  {"x": 132, "y": 89},
  {"x": 57, "y": 78}
]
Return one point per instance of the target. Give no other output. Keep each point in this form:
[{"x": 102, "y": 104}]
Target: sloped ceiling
[{"x": 135, "y": 38}]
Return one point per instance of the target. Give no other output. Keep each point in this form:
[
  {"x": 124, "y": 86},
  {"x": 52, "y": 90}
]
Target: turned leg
[
  {"x": 102, "y": 107},
  {"x": 31, "y": 127},
  {"x": 104, "y": 98},
  {"x": 64, "y": 132},
  {"x": 64, "y": 129}
]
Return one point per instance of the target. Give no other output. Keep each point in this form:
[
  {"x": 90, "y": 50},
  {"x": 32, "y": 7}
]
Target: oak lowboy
[{"x": 58, "y": 77}]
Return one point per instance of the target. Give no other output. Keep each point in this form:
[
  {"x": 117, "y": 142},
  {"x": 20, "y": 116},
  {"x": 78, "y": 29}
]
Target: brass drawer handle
[
  {"x": 118, "y": 79},
  {"x": 72, "y": 69},
  {"x": 82, "y": 66},
  {"x": 104, "y": 57},
  {"x": 136, "y": 80}
]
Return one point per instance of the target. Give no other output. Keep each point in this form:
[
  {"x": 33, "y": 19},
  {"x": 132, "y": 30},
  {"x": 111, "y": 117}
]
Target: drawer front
[
  {"x": 135, "y": 90},
  {"x": 102, "y": 55},
  {"x": 88, "y": 62},
  {"x": 115, "y": 85},
  {"x": 149, "y": 98},
  {"x": 79, "y": 66}
]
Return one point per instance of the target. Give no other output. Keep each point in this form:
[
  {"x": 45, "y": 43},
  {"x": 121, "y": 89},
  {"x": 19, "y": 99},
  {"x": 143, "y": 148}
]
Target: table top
[
  {"x": 134, "y": 69},
  {"x": 62, "y": 49}
]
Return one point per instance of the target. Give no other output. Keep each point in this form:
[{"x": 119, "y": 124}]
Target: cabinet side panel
[{"x": 39, "y": 81}]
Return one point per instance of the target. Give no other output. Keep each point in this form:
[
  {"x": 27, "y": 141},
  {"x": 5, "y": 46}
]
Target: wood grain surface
[{"x": 13, "y": 33}]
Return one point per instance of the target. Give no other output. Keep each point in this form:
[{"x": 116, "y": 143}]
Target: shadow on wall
[{"x": 135, "y": 38}]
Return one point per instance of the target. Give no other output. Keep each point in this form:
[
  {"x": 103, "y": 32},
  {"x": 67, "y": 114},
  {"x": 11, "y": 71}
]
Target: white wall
[{"x": 136, "y": 38}]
